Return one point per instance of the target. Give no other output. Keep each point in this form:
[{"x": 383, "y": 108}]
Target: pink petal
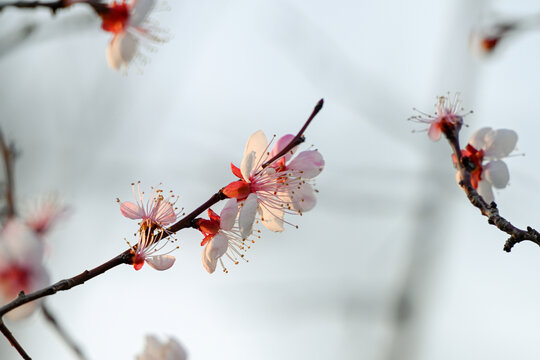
[
  {"x": 309, "y": 163},
  {"x": 272, "y": 219},
  {"x": 434, "y": 131},
  {"x": 500, "y": 143},
  {"x": 478, "y": 138},
  {"x": 208, "y": 264},
  {"x": 164, "y": 213},
  {"x": 228, "y": 214},
  {"x": 496, "y": 172},
  {"x": 281, "y": 143},
  {"x": 254, "y": 153},
  {"x": 131, "y": 210},
  {"x": 247, "y": 215},
  {"x": 304, "y": 198},
  {"x": 161, "y": 262}
]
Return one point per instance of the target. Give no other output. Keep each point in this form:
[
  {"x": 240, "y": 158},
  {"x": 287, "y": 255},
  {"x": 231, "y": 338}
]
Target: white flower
[
  {"x": 21, "y": 265},
  {"x": 485, "y": 150}
]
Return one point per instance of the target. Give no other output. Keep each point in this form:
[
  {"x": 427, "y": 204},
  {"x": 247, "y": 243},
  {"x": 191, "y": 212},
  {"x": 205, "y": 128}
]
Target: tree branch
[
  {"x": 7, "y": 154},
  {"x": 62, "y": 332},
  {"x": 13, "y": 341},
  {"x": 489, "y": 210}
]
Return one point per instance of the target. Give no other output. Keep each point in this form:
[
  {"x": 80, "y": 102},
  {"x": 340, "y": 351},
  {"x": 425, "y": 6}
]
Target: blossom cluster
[
  {"x": 484, "y": 152},
  {"x": 271, "y": 183}
]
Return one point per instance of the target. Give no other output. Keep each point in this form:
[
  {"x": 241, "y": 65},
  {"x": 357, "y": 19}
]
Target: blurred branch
[
  {"x": 464, "y": 166},
  {"x": 13, "y": 341},
  {"x": 53, "y": 5},
  {"x": 60, "y": 330},
  {"x": 7, "y": 155}
]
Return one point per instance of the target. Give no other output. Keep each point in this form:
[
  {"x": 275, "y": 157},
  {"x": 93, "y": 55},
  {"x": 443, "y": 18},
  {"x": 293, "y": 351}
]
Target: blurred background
[{"x": 393, "y": 263}]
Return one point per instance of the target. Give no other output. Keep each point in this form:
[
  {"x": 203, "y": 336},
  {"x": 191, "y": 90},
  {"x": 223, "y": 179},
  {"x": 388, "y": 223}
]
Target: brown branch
[
  {"x": 8, "y": 154},
  {"x": 98, "y": 6},
  {"x": 61, "y": 331},
  {"x": 489, "y": 210},
  {"x": 299, "y": 138},
  {"x": 13, "y": 341}
]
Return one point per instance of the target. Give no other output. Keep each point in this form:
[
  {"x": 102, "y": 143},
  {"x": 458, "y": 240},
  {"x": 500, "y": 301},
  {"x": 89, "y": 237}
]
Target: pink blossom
[
  {"x": 447, "y": 118},
  {"x": 21, "y": 264},
  {"x": 485, "y": 150},
  {"x": 156, "y": 212},
  {"x": 147, "y": 250},
  {"x": 222, "y": 237},
  {"x": 45, "y": 215},
  {"x": 156, "y": 350},
  {"x": 129, "y": 23},
  {"x": 284, "y": 186}
]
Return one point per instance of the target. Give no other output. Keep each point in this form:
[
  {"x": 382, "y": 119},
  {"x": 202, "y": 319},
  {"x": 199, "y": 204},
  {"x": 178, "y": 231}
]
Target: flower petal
[
  {"x": 281, "y": 143},
  {"x": 304, "y": 198},
  {"x": 478, "y": 138},
  {"x": 254, "y": 153},
  {"x": 500, "y": 143},
  {"x": 434, "y": 131},
  {"x": 228, "y": 214},
  {"x": 485, "y": 191},
  {"x": 121, "y": 50},
  {"x": 131, "y": 210},
  {"x": 308, "y": 163},
  {"x": 247, "y": 215},
  {"x": 140, "y": 10},
  {"x": 496, "y": 172},
  {"x": 271, "y": 219},
  {"x": 161, "y": 262},
  {"x": 213, "y": 251},
  {"x": 164, "y": 213}
]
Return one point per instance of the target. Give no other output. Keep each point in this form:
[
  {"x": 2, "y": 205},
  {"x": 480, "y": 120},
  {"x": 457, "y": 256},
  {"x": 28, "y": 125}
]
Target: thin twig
[
  {"x": 62, "y": 332},
  {"x": 489, "y": 210},
  {"x": 7, "y": 155},
  {"x": 13, "y": 341},
  {"x": 98, "y": 6},
  {"x": 299, "y": 138}
]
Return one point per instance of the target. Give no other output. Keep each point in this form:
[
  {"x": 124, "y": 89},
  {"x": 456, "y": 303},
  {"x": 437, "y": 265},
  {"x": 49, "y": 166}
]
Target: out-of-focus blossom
[
  {"x": 448, "y": 117},
  {"x": 484, "y": 40},
  {"x": 128, "y": 21},
  {"x": 485, "y": 150},
  {"x": 282, "y": 186},
  {"x": 156, "y": 212},
  {"x": 21, "y": 264},
  {"x": 222, "y": 237},
  {"x": 156, "y": 350},
  {"x": 45, "y": 214}
]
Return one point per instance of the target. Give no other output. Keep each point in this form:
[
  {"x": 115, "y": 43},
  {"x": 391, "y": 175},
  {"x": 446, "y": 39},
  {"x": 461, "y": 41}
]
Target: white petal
[
  {"x": 247, "y": 215},
  {"x": 485, "y": 191},
  {"x": 304, "y": 198},
  {"x": 161, "y": 262},
  {"x": 163, "y": 213},
  {"x": 500, "y": 143},
  {"x": 309, "y": 163},
  {"x": 271, "y": 219},
  {"x": 19, "y": 244},
  {"x": 121, "y": 50},
  {"x": 228, "y": 214},
  {"x": 140, "y": 10},
  {"x": 209, "y": 264},
  {"x": 478, "y": 138},
  {"x": 175, "y": 351},
  {"x": 496, "y": 172},
  {"x": 254, "y": 153}
]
